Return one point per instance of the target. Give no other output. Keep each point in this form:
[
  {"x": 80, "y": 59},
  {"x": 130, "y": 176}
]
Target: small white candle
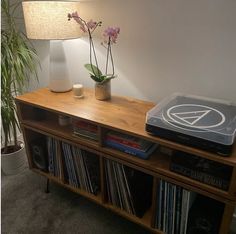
[{"x": 78, "y": 90}]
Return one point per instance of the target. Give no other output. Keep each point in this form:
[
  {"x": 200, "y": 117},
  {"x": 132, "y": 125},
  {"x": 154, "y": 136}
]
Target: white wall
[{"x": 165, "y": 46}]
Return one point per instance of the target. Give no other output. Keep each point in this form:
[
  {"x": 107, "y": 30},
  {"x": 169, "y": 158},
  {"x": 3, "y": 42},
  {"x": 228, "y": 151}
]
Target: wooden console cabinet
[{"x": 39, "y": 112}]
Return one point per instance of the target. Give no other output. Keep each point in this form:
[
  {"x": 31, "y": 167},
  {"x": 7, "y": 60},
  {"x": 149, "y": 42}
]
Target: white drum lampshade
[{"x": 47, "y": 20}]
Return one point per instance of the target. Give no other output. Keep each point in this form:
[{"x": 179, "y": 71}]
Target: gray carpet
[{"x": 26, "y": 208}]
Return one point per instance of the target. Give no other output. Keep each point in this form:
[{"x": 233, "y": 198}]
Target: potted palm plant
[{"x": 18, "y": 62}]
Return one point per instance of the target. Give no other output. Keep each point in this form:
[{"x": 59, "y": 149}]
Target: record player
[{"x": 200, "y": 122}]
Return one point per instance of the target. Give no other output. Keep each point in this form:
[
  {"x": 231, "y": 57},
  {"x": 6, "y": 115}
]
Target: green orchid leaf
[
  {"x": 103, "y": 77},
  {"x": 96, "y": 79},
  {"x": 107, "y": 78},
  {"x": 93, "y": 69}
]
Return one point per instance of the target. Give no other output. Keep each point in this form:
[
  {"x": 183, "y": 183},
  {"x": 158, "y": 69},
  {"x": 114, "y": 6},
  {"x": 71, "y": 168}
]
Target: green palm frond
[{"x": 19, "y": 62}]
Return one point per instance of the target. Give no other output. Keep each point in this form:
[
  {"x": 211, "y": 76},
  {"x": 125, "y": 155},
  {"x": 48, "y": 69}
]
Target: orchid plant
[{"x": 110, "y": 37}]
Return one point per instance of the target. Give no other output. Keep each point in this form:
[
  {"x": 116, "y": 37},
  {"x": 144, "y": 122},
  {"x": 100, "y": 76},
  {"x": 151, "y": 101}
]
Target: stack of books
[
  {"x": 128, "y": 189},
  {"x": 85, "y": 129},
  {"x": 201, "y": 169},
  {"x": 54, "y": 165},
  {"x": 82, "y": 168},
  {"x": 173, "y": 204},
  {"x": 130, "y": 144}
]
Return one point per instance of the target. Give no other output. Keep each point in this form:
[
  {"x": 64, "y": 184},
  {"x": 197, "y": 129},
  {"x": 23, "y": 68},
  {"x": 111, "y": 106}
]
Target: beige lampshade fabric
[{"x": 48, "y": 20}]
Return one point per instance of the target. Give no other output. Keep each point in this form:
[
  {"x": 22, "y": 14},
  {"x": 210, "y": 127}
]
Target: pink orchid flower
[
  {"x": 111, "y": 34},
  {"x": 110, "y": 37},
  {"x": 91, "y": 24},
  {"x": 76, "y": 17}
]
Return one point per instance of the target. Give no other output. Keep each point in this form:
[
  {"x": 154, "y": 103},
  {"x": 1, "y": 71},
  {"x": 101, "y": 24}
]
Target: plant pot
[
  {"x": 14, "y": 163},
  {"x": 103, "y": 91}
]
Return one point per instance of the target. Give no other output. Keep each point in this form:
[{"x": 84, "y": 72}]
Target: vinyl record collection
[
  {"x": 54, "y": 165},
  {"x": 173, "y": 204},
  {"x": 128, "y": 189},
  {"x": 82, "y": 168},
  {"x": 130, "y": 144}
]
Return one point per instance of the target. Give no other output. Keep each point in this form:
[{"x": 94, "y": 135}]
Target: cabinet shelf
[
  {"x": 54, "y": 128},
  {"x": 38, "y": 112}
]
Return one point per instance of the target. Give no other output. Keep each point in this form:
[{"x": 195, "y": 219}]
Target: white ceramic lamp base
[
  {"x": 59, "y": 75},
  {"x": 60, "y": 86}
]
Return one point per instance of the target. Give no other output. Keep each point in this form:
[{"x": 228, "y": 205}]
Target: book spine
[
  {"x": 128, "y": 140},
  {"x": 129, "y": 150},
  {"x": 122, "y": 141},
  {"x": 86, "y": 134},
  {"x": 126, "y": 144},
  {"x": 85, "y": 126}
]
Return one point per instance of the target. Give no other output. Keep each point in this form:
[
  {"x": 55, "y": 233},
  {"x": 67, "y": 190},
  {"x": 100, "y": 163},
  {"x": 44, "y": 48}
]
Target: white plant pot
[{"x": 14, "y": 163}]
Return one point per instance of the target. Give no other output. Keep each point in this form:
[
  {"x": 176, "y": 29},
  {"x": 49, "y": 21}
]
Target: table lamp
[{"x": 47, "y": 20}]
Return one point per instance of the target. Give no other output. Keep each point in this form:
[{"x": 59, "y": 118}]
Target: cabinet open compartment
[
  {"x": 37, "y": 150},
  {"x": 179, "y": 210},
  {"x": 75, "y": 167},
  {"x": 201, "y": 169},
  {"x": 127, "y": 188},
  {"x": 81, "y": 168},
  {"x": 129, "y": 144},
  {"x": 85, "y": 129},
  {"x": 32, "y": 113}
]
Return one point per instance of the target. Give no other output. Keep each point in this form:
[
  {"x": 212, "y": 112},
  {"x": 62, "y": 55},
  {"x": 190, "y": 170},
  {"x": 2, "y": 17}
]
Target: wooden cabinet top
[{"x": 122, "y": 113}]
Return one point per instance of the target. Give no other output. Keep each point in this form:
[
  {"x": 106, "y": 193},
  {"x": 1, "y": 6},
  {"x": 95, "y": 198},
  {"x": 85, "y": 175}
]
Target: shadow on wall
[{"x": 42, "y": 48}]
